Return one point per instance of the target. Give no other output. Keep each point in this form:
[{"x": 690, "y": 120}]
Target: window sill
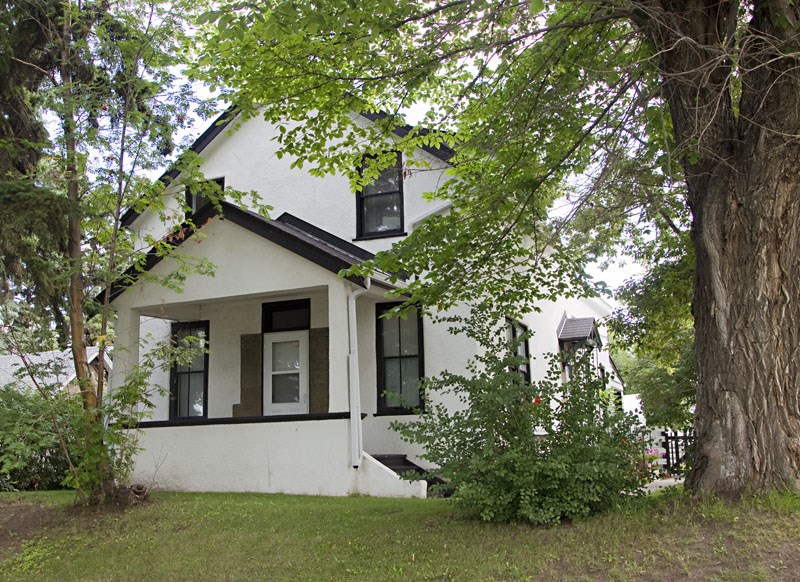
[{"x": 392, "y": 234}]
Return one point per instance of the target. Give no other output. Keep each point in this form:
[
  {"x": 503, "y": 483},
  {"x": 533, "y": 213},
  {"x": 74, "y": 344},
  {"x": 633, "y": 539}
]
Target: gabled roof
[
  {"x": 217, "y": 126},
  {"x": 296, "y": 235},
  {"x": 222, "y": 121},
  {"x": 577, "y": 329},
  {"x": 443, "y": 152},
  {"x": 51, "y": 368}
]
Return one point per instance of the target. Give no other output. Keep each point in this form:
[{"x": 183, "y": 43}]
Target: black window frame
[
  {"x": 267, "y": 309},
  {"x": 400, "y": 231},
  {"x": 174, "y": 373},
  {"x": 514, "y": 325},
  {"x": 196, "y": 202},
  {"x": 382, "y": 408}
]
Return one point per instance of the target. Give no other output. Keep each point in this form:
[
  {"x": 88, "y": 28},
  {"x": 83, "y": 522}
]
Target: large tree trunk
[
  {"x": 747, "y": 323},
  {"x": 742, "y": 166}
]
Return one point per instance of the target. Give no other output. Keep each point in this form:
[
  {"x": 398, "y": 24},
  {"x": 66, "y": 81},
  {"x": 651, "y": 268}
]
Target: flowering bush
[
  {"x": 536, "y": 451},
  {"x": 651, "y": 466}
]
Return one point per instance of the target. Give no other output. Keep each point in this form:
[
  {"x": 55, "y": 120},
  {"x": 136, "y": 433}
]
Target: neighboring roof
[
  {"x": 300, "y": 237},
  {"x": 219, "y": 124},
  {"x": 52, "y": 368},
  {"x": 574, "y": 329}
]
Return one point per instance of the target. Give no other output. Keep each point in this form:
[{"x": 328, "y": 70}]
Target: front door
[{"x": 286, "y": 372}]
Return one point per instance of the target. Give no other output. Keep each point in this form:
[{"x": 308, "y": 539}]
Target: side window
[
  {"x": 379, "y": 206},
  {"x": 514, "y": 330},
  {"x": 199, "y": 196},
  {"x": 399, "y": 361},
  {"x": 189, "y": 382}
]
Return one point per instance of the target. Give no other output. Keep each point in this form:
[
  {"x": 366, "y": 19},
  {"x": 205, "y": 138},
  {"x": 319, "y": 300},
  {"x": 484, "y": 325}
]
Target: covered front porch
[{"x": 273, "y": 403}]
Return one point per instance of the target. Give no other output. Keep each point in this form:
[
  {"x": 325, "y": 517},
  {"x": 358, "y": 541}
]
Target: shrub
[
  {"x": 31, "y": 456},
  {"x": 536, "y": 451}
]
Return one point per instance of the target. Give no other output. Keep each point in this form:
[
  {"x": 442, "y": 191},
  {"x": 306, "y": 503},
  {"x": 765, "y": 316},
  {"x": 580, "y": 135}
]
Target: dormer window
[
  {"x": 379, "y": 206},
  {"x": 196, "y": 201}
]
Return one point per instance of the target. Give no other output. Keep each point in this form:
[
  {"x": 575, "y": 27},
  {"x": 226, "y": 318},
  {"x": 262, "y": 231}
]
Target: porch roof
[{"x": 287, "y": 231}]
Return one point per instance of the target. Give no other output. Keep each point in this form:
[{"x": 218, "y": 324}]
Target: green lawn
[{"x": 276, "y": 537}]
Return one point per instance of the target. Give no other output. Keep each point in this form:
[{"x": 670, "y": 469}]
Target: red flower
[{"x": 537, "y": 400}]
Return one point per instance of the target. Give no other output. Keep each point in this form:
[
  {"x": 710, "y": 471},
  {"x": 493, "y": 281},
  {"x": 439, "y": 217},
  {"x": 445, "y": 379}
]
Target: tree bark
[
  {"x": 105, "y": 487},
  {"x": 741, "y": 159},
  {"x": 74, "y": 235}
]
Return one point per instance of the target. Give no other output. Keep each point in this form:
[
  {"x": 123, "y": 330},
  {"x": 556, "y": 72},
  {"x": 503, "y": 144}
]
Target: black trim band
[{"x": 245, "y": 419}]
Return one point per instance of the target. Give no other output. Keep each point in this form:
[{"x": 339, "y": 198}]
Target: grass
[{"x": 186, "y": 536}]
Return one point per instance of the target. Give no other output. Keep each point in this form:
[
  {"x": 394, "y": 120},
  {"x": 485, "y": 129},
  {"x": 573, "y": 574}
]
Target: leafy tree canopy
[
  {"x": 701, "y": 93},
  {"x": 522, "y": 120}
]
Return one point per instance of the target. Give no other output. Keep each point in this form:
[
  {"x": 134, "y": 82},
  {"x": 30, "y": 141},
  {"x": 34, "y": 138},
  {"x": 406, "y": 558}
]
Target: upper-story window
[
  {"x": 200, "y": 195},
  {"x": 380, "y": 204}
]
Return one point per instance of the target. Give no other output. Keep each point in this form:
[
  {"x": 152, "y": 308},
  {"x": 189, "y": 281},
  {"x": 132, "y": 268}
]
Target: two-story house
[{"x": 302, "y": 375}]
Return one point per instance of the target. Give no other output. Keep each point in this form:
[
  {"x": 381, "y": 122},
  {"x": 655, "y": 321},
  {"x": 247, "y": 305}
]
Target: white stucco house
[{"x": 302, "y": 376}]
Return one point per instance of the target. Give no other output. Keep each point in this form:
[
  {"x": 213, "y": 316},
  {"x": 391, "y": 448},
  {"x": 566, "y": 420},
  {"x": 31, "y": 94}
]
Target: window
[
  {"x": 196, "y": 201},
  {"x": 400, "y": 361},
  {"x": 285, "y": 325},
  {"x": 514, "y": 330},
  {"x": 379, "y": 206},
  {"x": 286, "y": 316},
  {"x": 189, "y": 382}
]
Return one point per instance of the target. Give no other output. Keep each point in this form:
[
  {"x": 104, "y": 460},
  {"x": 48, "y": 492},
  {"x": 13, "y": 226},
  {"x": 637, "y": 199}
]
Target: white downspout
[{"x": 356, "y": 441}]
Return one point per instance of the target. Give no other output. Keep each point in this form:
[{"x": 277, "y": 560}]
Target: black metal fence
[{"x": 679, "y": 447}]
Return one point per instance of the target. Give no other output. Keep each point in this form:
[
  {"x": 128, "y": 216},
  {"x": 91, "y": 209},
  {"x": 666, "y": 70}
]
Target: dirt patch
[{"x": 23, "y": 521}]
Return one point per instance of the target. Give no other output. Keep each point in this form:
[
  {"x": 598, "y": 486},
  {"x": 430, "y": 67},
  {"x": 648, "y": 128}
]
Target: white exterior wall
[
  {"x": 544, "y": 326},
  {"x": 306, "y": 458},
  {"x": 246, "y": 159},
  {"x": 231, "y": 302},
  {"x": 442, "y": 351}
]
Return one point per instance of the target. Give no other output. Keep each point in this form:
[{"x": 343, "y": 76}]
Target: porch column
[
  {"x": 126, "y": 345},
  {"x": 339, "y": 341}
]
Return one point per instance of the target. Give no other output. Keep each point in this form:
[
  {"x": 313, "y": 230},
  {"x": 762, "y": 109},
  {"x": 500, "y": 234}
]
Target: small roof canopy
[{"x": 578, "y": 329}]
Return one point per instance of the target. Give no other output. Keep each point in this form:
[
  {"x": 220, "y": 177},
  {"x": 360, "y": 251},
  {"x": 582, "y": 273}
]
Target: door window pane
[
  {"x": 285, "y": 356},
  {"x": 285, "y": 388}
]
